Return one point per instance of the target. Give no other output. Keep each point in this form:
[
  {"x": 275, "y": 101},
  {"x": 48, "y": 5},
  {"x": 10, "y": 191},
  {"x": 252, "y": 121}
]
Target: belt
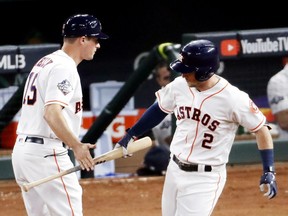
[
  {"x": 190, "y": 167},
  {"x": 36, "y": 140}
]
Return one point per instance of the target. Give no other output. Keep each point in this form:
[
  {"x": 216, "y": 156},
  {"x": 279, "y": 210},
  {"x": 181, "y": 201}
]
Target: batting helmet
[
  {"x": 83, "y": 25},
  {"x": 199, "y": 56}
]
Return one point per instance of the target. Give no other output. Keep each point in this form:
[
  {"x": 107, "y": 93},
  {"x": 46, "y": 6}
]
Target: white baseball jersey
[
  {"x": 207, "y": 121},
  {"x": 277, "y": 93},
  {"x": 45, "y": 86}
]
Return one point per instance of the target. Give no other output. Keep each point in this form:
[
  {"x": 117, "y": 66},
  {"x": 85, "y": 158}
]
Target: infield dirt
[{"x": 141, "y": 196}]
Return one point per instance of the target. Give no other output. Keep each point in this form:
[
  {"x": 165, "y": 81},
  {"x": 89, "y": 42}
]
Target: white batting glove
[
  {"x": 268, "y": 185},
  {"x": 124, "y": 142}
]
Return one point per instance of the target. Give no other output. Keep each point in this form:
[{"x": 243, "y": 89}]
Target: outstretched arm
[
  {"x": 55, "y": 119},
  {"x": 151, "y": 117}
]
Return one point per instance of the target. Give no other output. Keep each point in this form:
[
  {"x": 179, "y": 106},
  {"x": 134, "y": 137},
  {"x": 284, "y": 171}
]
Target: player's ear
[{"x": 81, "y": 39}]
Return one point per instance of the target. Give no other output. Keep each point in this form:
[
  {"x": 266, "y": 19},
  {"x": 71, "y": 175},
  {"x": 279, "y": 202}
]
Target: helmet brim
[
  {"x": 179, "y": 67},
  {"x": 100, "y": 35}
]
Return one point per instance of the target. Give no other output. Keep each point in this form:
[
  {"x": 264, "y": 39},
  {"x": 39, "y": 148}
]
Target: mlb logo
[{"x": 230, "y": 47}]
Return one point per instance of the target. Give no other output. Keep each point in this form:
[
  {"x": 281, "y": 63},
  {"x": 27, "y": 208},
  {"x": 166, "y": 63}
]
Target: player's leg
[
  {"x": 66, "y": 190},
  {"x": 199, "y": 192},
  {"x": 169, "y": 190},
  {"x": 34, "y": 162},
  {"x": 34, "y": 204},
  {"x": 24, "y": 171},
  {"x": 65, "y": 196}
]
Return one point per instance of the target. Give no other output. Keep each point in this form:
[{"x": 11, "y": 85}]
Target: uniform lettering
[
  {"x": 180, "y": 113},
  {"x": 78, "y": 107},
  {"x": 213, "y": 125},
  {"x": 205, "y": 120},
  {"x": 30, "y": 93},
  {"x": 188, "y": 110},
  {"x": 208, "y": 139},
  {"x": 43, "y": 62},
  {"x": 197, "y": 115}
]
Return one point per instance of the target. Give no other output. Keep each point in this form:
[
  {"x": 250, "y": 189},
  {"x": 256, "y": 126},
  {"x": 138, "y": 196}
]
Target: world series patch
[{"x": 65, "y": 87}]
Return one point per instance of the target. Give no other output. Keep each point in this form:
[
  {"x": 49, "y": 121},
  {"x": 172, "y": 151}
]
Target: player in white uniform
[
  {"x": 208, "y": 111},
  {"x": 277, "y": 92},
  {"x": 51, "y": 115}
]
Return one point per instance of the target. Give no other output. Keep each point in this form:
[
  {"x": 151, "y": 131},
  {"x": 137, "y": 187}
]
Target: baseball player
[
  {"x": 208, "y": 110},
  {"x": 278, "y": 100},
  {"x": 51, "y": 115}
]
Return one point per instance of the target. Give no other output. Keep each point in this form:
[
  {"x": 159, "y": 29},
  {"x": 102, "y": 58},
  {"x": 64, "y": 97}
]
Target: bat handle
[{"x": 27, "y": 186}]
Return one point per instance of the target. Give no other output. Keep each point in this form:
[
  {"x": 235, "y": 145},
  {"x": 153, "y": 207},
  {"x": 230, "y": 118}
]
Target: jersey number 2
[{"x": 208, "y": 139}]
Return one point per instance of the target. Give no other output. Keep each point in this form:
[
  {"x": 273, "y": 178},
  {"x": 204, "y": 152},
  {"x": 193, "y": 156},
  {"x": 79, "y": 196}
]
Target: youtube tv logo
[{"x": 230, "y": 47}]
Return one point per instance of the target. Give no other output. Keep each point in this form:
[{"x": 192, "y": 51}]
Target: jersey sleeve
[
  {"x": 248, "y": 114},
  {"x": 166, "y": 99},
  {"x": 60, "y": 86}
]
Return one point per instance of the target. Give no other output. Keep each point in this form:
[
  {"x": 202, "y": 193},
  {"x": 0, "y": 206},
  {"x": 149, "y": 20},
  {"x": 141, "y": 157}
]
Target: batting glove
[
  {"x": 268, "y": 181},
  {"x": 124, "y": 142}
]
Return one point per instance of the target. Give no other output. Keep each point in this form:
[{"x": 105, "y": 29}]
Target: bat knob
[{"x": 25, "y": 187}]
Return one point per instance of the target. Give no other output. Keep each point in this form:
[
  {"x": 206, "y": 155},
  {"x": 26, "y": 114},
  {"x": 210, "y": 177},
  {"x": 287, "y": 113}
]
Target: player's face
[
  {"x": 200, "y": 86},
  {"x": 91, "y": 44},
  {"x": 190, "y": 79}
]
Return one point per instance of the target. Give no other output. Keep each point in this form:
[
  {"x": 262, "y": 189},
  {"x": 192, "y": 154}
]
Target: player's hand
[
  {"x": 83, "y": 156},
  {"x": 124, "y": 142},
  {"x": 268, "y": 184}
]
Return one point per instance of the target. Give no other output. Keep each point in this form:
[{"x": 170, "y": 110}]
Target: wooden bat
[{"x": 135, "y": 146}]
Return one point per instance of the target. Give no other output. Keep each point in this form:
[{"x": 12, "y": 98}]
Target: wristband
[{"x": 267, "y": 156}]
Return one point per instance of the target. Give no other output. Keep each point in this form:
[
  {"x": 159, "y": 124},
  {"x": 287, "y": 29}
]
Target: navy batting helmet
[
  {"x": 199, "y": 56},
  {"x": 83, "y": 25}
]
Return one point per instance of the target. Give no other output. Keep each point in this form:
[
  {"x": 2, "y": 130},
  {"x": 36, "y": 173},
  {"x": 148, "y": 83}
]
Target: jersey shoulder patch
[{"x": 65, "y": 87}]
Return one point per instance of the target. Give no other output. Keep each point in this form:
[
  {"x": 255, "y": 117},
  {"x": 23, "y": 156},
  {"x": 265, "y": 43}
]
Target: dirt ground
[{"x": 141, "y": 196}]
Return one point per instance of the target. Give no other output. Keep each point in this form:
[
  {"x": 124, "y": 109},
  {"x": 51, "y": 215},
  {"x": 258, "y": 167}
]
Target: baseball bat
[{"x": 133, "y": 147}]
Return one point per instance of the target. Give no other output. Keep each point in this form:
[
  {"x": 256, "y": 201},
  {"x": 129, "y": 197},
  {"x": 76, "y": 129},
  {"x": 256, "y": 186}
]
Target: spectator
[
  {"x": 162, "y": 132},
  {"x": 277, "y": 92}
]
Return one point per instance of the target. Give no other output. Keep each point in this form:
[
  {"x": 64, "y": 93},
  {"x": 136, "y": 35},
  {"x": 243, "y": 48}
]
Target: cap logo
[
  {"x": 93, "y": 24},
  {"x": 183, "y": 60},
  {"x": 180, "y": 57}
]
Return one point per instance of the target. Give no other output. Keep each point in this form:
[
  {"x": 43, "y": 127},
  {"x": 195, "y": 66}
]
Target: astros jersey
[
  {"x": 207, "y": 121},
  {"x": 53, "y": 79}
]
